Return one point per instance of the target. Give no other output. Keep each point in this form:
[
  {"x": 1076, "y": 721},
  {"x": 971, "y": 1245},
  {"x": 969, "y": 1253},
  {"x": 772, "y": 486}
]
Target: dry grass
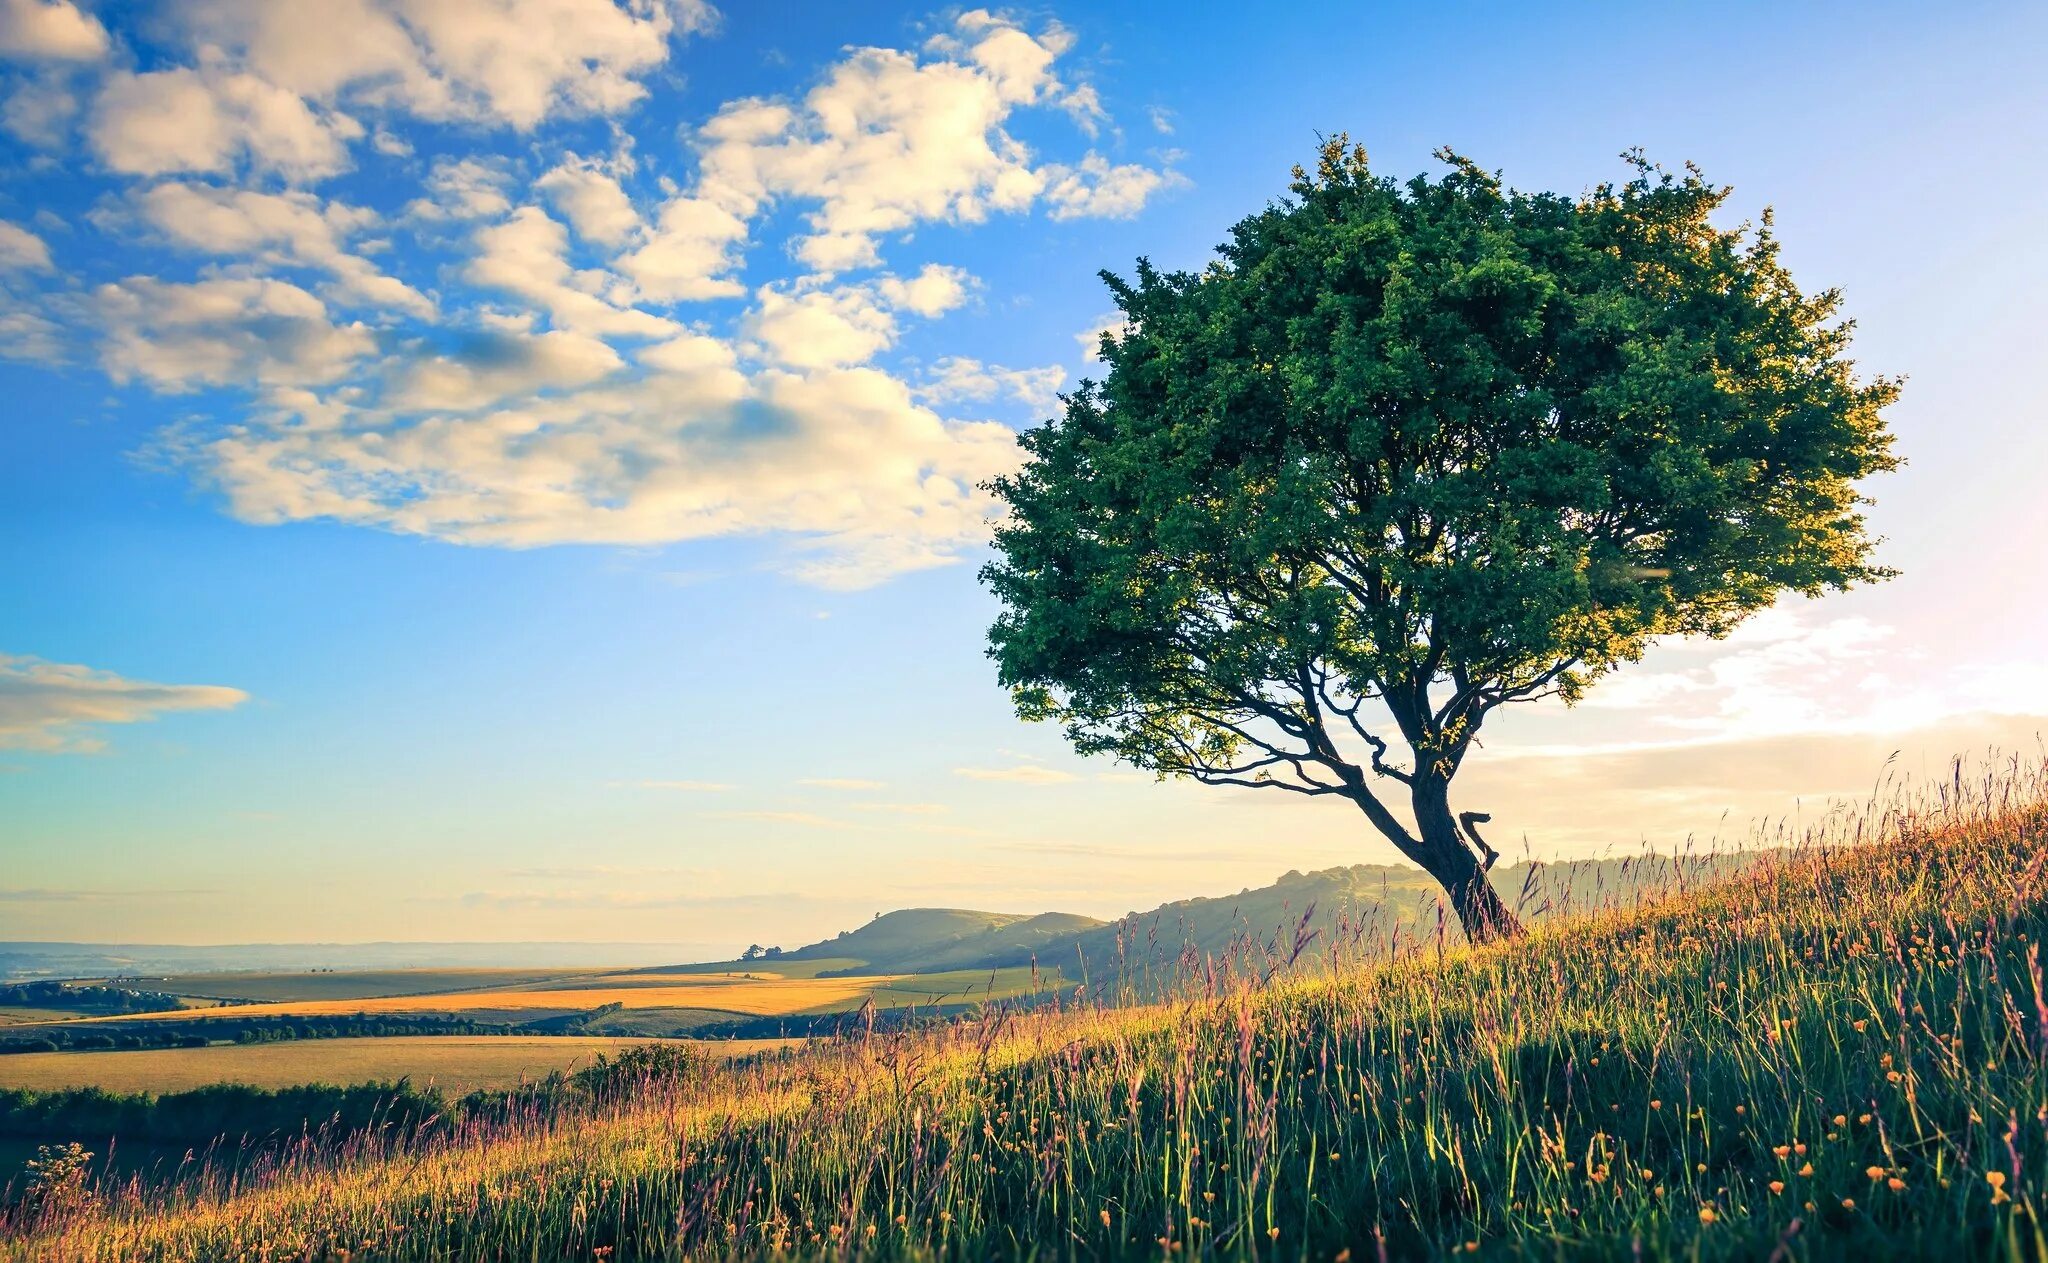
[
  {"x": 1840, "y": 1056},
  {"x": 454, "y": 1063}
]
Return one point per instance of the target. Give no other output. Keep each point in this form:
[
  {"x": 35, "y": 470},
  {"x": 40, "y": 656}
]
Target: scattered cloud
[
  {"x": 21, "y": 250},
  {"x": 904, "y": 809},
  {"x": 1022, "y": 774},
  {"x": 851, "y": 784},
  {"x": 806, "y": 819},
  {"x": 52, "y": 707},
  {"x": 959, "y": 379},
  {"x": 557, "y": 380}
]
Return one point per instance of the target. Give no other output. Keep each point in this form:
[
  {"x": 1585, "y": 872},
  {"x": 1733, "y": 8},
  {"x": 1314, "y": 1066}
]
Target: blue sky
[{"x": 505, "y": 470}]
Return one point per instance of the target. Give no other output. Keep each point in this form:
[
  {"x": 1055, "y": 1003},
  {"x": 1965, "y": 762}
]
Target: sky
[{"x": 507, "y": 469}]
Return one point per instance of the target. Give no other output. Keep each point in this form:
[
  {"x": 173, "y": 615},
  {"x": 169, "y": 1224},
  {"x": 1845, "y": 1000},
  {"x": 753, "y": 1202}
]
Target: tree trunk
[{"x": 1446, "y": 856}]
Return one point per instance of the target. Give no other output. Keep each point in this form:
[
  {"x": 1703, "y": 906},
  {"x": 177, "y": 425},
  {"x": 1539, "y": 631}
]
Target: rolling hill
[{"x": 1360, "y": 912}]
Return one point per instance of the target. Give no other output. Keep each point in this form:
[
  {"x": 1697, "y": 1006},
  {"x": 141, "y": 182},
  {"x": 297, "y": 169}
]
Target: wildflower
[
  {"x": 1841, "y": 1120},
  {"x": 1777, "y": 1186},
  {"x": 1860, "y": 1024},
  {"x": 1707, "y": 1215},
  {"x": 1105, "y": 1217},
  {"x": 1863, "y": 1118},
  {"x": 1656, "y": 1105},
  {"x": 1996, "y": 1179},
  {"x": 1273, "y": 1232},
  {"x": 1806, "y": 1170},
  {"x": 1895, "y": 1184},
  {"x": 1875, "y": 1173},
  {"x": 1848, "y": 1203},
  {"x": 1782, "y": 1151},
  {"x": 1892, "y": 1076}
]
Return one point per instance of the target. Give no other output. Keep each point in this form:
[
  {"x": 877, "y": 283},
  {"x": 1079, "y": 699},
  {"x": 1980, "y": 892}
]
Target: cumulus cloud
[
  {"x": 288, "y": 228},
  {"x": 1098, "y": 189},
  {"x": 587, "y": 366},
  {"x": 210, "y": 120},
  {"x": 55, "y": 30},
  {"x": 590, "y": 196},
  {"x": 21, "y": 250},
  {"x": 463, "y": 188},
  {"x": 496, "y": 61},
  {"x": 842, "y": 460},
  {"x": 960, "y": 379},
  {"x": 225, "y": 331},
  {"x": 527, "y": 255},
  {"x": 52, "y": 707}
]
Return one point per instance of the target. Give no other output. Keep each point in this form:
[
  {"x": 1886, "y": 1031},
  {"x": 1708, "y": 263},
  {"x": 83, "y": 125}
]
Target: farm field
[
  {"x": 757, "y": 994},
  {"x": 25, "y": 1016},
  {"x": 1840, "y": 1050},
  {"x": 267, "y": 987},
  {"x": 454, "y": 1063}
]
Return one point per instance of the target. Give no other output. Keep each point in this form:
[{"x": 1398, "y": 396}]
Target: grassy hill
[
  {"x": 925, "y": 940},
  {"x": 1361, "y": 913},
  {"x": 1837, "y": 1055}
]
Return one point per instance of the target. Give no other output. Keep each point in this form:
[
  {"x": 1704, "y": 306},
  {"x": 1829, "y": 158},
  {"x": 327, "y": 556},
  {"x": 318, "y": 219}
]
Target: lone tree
[{"x": 1406, "y": 454}]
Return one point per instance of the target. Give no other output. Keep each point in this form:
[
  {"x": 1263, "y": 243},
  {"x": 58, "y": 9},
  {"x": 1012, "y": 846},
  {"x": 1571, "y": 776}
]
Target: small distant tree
[
  {"x": 1408, "y": 453},
  {"x": 753, "y": 952}
]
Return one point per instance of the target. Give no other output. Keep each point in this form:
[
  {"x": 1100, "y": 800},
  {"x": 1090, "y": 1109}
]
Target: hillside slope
[
  {"x": 1839, "y": 1056},
  {"x": 928, "y": 940},
  {"x": 1363, "y": 912}
]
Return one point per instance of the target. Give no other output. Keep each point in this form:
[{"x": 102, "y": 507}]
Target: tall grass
[{"x": 1838, "y": 1054}]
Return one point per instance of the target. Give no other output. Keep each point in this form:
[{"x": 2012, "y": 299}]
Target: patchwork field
[
  {"x": 254, "y": 987},
  {"x": 455, "y": 1063},
  {"x": 690, "y": 999}
]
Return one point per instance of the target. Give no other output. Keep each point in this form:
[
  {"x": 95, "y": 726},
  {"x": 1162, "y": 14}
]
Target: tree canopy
[{"x": 1405, "y": 453}]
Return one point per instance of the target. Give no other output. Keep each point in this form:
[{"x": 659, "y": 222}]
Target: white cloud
[
  {"x": 888, "y": 141},
  {"x": 819, "y": 328},
  {"x": 933, "y": 292},
  {"x": 39, "y": 112},
  {"x": 208, "y": 120},
  {"x": 502, "y": 61},
  {"x": 494, "y": 366},
  {"x": 842, "y": 460},
  {"x": 21, "y": 250},
  {"x": 1096, "y": 189},
  {"x": 549, "y": 387},
  {"x": 527, "y": 255},
  {"x": 463, "y": 188},
  {"x": 280, "y": 228},
  {"x": 225, "y": 331},
  {"x": 1022, "y": 774},
  {"x": 591, "y": 197},
  {"x": 689, "y": 251},
  {"x": 50, "y": 29},
  {"x": 50, "y": 707},
  {"x": 960, "y": 379},
  {"x": 1111, "y": 326}
]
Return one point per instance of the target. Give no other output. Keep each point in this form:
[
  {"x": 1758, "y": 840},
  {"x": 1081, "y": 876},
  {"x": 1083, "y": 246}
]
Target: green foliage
[{"x": 1443, "y": 446}]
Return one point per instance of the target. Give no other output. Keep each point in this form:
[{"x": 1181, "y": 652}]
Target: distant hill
[
  {"x": 927, "y": 940},
  {"x": 1365, "y": 911},
  {"x": 27, "y": 960}
]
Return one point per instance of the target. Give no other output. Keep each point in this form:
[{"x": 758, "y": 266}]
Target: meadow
[
  {"x": 706, "y": 996},
  {"x": 1838, "y": 1054},
  {"x": 457, "y": 1064}
]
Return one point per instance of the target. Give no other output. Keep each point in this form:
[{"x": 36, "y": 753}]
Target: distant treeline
[
  {"x": 90, "y": 999},
  {"x": 199, "y": 1032},
  {"x": 240, "y": 1117}
]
